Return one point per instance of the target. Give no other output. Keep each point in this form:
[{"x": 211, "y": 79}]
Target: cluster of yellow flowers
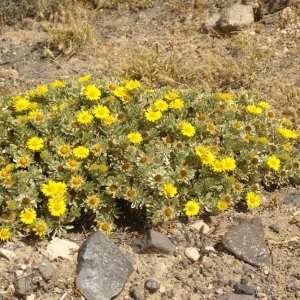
[{"x": 72, "y": 150}]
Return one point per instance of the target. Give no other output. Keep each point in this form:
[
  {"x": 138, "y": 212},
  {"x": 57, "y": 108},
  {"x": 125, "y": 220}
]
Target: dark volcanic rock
[
  {"x": 153, "y": 241},
  {"x": 240, "y": 288},
  {"x": 246, "y": 241},
  {"x": 102, "y": 268},
  {"x": 23, "y": 286},
  {"x": 46, "y": 269}
]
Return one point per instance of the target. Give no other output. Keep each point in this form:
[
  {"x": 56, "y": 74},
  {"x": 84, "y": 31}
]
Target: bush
[{"x": 71, "y": 151}]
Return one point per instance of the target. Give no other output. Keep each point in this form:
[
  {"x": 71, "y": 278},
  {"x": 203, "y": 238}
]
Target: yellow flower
[
  {"x": 161, "y": 105},
  {"x": 63, "y": 150},
  {"x": 201, "y": 150},
  {"x": 73, "y": 165},
  {"x": 222, "y": 205},
  {"x": 4, "y": 173},
  {"x": 84, "y": 117},
  {"x": 61, "y": 188},
  {"x": 49, "y": 189},
  {"x": 33, "y": 105},
  {"x": 92, "y": 202},
  {"x": 237, "y": 125},
  {"x": 168, "y": 212},
  {"x": 56, "y": 207},
  {"x": 23, "y": 161},
  {"x": 208, "y": 158},
  {"x": 84, "y": 78},
  {"x": 109, "y": 120},
  {"x": 28, "y": 216},
  {"x": 35, "y": 143},
  {"x": 106, "y": 227},
  {"x": 263, "y": 140},
  {"x": 273, "y": 162},
  {"x": 132, "y": 84},
  {"x": 81, "y": 152},
  {"x": 4, "y": 234},
  {"x": 177, "y": 104},
  {"x": 76, "y": 182},
  {"x": 224, "y": 96},
  {"x": 286, "y": 133},
  {"x": 9, "y": 167},
  {"x": 122, "y": 93},
  {"x": 252, "y": 199},
  {"x": 254, "y": 109},
  {"x": 288, "y": 147},
  {"x": 191, "y": 208},
  {"x": 58, "y": 107},
  {"x": 59, "y": 83},
  {"x": 217, "y": 166},
  {"x": 170, "y": 190},
  {"x": 264, "y": 105},
  {"x": 92, "y": 93},
  {"x": 286, "y": 121},
  {"x": 41, "y": 90},
  {"x": 97, "y": 150},
  {"x": 31, "y": 94},
  {"x": 211, "y": 128},
  {"x": 103, "y": 168},
  {"x": 53, "y": 188},
  {"x": 228, "y": 164},
  {"x": 135, "y": 137},
  {"x": 187, "y": 129},
  {"x": 12, "y": 205},
  {"x": 101, "y": 112},
  {"x": 21, "y": 104},
  {"x": 153, "y": 115},
  {"x": 171, "y": 95},
  {"x": 40, "y": 228}
]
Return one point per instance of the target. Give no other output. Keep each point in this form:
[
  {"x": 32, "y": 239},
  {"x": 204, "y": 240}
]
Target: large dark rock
[
  {"x": 246, "y": 241},
  {"x": 102, "y": 268},
  {"x": 153, "y": 241}
]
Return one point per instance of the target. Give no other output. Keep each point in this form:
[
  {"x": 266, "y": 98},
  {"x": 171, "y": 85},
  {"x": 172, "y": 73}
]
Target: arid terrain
[{"x": 163, "y": 43}]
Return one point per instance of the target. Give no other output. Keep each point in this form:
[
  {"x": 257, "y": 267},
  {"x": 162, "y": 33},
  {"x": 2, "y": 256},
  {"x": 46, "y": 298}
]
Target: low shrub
[{"x": 71, "y": 151}]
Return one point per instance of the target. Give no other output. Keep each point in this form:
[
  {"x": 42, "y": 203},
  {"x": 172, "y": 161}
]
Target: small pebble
[
  {"x": 244, "y": 289},
  {"x": 245, "y": 279},
  {"x": 276, "y": 228},
  {"x": 201, "y": 226},
  {"x": 151, "y": 285},
  {"x": 192, "y": 253}
]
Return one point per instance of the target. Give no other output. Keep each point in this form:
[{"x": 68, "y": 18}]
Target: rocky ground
[{"x": 262, "y": 56}]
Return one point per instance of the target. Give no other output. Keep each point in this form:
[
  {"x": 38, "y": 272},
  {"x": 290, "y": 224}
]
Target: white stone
[
  {"x": 19, "y": 273},
  {"x": 30, "y": 297},
  {"x": 236, "y": 17},
  {"x": 212, "y": 20},
  {"x": 210, "y": 249},
  {"x": 10, "y": 255},
  {"x": 192, "y": 253},
  {"x": 199, "y": 224},
  {"x": 59, "y": 248}
]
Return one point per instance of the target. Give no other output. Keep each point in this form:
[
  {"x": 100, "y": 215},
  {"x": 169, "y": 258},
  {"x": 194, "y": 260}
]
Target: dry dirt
[{"x": 164, "y": 44}]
